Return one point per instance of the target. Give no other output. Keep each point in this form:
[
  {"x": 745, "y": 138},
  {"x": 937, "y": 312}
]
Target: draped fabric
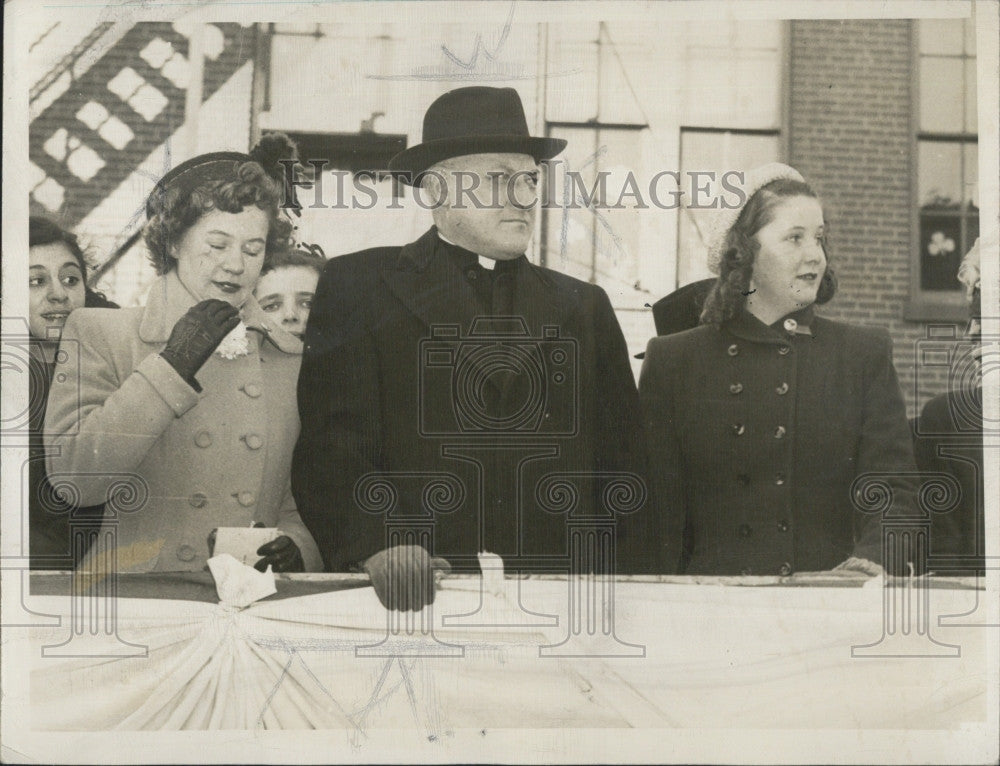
[{"x": 688, "y": 656}]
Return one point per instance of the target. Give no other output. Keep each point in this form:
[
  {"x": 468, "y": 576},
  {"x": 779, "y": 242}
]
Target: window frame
[{"x": 921, "y": 304}]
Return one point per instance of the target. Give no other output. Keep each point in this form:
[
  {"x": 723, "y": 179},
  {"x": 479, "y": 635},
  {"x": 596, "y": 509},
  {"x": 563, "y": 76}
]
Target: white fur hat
[{"x": 724, "y": 219}]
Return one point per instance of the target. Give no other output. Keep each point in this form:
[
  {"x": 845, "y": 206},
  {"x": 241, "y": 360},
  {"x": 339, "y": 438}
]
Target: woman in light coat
[{"x": 182, "y": 415}]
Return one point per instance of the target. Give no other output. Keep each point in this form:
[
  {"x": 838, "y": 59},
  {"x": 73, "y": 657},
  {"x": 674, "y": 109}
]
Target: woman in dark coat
[
  {"x": 57, "y": 285},
  {"x": 760, "y": 420}
]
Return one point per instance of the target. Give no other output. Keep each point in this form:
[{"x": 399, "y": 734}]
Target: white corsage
[{"x": 235, "y": 344}]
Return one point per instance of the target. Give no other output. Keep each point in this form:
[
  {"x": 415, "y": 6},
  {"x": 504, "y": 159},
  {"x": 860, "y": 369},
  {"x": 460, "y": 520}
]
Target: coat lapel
[{"x": 433, "y": 288}]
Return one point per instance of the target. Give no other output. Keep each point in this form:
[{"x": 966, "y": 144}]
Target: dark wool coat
[
  {"x": 379, "y": 395},
  {"x": 755, "y": 436},
  {"x": 949, "y": 440}
]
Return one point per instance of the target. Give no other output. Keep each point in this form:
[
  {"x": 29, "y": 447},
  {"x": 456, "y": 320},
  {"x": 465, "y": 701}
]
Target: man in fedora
[{"x": 456, "y": 398}]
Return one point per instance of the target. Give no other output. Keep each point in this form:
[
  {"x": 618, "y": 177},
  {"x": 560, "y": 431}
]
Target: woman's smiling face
[
  {"x": 55, "y": 288},
  {"x": 221, "y": 255}
]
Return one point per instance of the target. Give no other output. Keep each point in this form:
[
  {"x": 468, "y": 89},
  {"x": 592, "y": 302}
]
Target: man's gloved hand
[
  {"x": 197, "y": 334},
  {"x": 403, "y": 576},
  {"x": 282, "y": 554}
]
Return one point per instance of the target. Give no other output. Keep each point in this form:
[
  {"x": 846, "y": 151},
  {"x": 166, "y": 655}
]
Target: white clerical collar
[{"x": 486, "y": 263}]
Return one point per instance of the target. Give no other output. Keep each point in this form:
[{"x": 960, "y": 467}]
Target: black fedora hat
[{"x": 473, "y": 120}]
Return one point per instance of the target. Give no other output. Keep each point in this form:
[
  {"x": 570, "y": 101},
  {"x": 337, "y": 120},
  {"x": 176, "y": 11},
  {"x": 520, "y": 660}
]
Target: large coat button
[
  {"x": 784, "y": 349},
  {"x": 791, "y": 325},
  {"x": 779, "y": 432},
  {"x": 246, "y": 499},
  {"x": 785, "y": 569},
  {"x": 783, "y": 525},
  {"x": 733, "y": 350},
  {"x": 198, "y": 500},
  {"x": 738, "y": 429},
  {"x": 253, "y": 441},
  {"x": 186, "y": 553},
  {"x": 735, "y": 388},
  {"x": 779, "y": 478},
  {"x": 203, "y": 439},
  {"x": 252, "y": 390},
  {"x": 782, "y": 389}
]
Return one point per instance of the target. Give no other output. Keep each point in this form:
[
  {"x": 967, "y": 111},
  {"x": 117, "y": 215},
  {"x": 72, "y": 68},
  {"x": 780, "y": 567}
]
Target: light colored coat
[{"x": 218, "y": 458}]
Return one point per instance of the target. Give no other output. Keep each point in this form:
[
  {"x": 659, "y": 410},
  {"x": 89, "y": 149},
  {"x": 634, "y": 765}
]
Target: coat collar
[
  {"x": 433, "y": 287},
  {"x": 745, "y": 325},
  {"x": 168, "y": 300}
]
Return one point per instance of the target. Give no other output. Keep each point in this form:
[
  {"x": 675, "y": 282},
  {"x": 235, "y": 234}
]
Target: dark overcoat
[
  {"x": 949, "y": 440},
  {"x": 756, "y": 434},
  {"x": 396, "y": 423}
]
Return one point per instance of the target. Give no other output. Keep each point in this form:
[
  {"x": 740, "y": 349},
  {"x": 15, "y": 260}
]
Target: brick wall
[{"x": 850, "y": 137}]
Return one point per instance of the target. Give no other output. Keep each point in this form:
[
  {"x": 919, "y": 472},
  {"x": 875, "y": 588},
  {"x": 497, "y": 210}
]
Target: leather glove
[
  {"x": 403, "y": 576},
  {"x": 196, "y": 335},
  {"x": 282, "y": 554}
]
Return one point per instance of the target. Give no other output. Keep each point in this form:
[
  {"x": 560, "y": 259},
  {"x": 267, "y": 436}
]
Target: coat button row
[
  {"x": 253, "y": 441},
  {"x": 782, "y": 389},
  {"x": 785, "y": 569},
  {"x": 791, "y": 325},
  {"x": 733, "y": 350},
  {"x": 784, "y": 349},
  {"x": 779, "y": 478},
  {"x": 779, "y": 432},
  {"x": 735, "y": 388},
  {"x": 251, "y": 389},
  {"x": 739, "y": 429}
]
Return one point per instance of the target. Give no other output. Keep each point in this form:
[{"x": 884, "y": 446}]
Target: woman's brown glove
[{"x": 196, "y": 335}]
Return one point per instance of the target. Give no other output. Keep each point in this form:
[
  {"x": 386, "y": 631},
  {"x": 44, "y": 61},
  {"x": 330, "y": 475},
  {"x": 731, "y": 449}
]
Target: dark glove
[
  {"x": 196, "y": 335},
  {"x": 403, "y": 576},
  {"x": 282, "y": 554}
]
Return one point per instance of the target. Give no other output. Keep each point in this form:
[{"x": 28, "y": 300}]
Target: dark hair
[
  {"x": 44, "y": 231},
  {"x": 178, "y": 207},
  {"x": 293, "y": 257},
  {"x": 728, "y": 294}
]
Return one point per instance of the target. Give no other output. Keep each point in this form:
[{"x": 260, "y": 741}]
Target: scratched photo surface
[{"x": 643, "y": 512}]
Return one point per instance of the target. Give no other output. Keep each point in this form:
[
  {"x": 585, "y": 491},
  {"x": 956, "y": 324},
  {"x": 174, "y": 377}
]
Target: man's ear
[{"x": 434, "y": 189}]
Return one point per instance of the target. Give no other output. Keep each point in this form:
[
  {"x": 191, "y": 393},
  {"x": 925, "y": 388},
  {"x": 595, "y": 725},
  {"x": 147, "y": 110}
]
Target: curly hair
[
  {"x": 728, "y": 295},
  {"x": 177, "y": 208}
]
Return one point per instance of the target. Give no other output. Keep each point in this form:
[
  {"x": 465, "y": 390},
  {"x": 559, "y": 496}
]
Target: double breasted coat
[
  {"x": 398, "y": 427},
  {"x": 756, "y": 435},
  {"x": 221, "y": 457}
]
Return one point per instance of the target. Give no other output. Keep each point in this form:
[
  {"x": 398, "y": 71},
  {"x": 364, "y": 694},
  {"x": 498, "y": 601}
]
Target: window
[
  {"x": 716, "y": 152},
  {"x": 947, "y": 191}
]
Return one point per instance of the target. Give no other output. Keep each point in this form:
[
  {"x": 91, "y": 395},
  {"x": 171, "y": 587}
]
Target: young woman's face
[
  {"x": 791, "y": 262},
  {"x": 55, "y": 288},
  {"x": 221, "y": 255},
  {"x": 287, "y": 294}
]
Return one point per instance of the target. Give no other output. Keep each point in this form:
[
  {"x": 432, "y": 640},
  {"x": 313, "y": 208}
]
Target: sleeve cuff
[{"x": 172, "y": 388}]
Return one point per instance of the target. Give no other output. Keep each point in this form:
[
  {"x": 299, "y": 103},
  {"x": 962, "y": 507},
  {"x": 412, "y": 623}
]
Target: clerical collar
[{"x": 487, "y": 263}]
